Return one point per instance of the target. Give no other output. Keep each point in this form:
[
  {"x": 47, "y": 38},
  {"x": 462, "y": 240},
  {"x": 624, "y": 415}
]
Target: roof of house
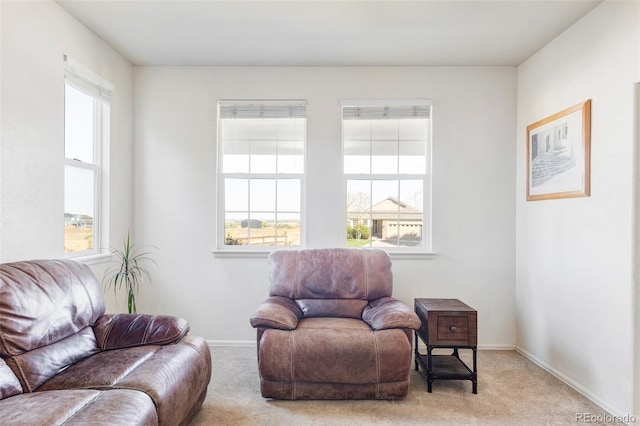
[{"x": 389, "y": 209}]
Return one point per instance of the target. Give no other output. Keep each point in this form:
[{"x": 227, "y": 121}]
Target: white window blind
[
  {"x": 262, "y": 109},
  {"x": 385, "y": 112},
  {"x": 86, "y": 81}
]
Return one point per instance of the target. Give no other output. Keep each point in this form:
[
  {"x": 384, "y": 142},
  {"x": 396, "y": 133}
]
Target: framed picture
[{"x": 558, "y": 154}]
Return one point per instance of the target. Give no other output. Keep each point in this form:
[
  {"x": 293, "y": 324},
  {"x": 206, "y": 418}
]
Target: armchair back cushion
[
  {"x": 47, "y": 308},
  {"x": 330, "y": 282}
]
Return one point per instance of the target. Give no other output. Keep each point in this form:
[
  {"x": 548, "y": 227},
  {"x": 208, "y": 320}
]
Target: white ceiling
[{"x": 328, "y": 33}]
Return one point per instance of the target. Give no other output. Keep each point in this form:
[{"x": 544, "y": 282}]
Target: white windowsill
[
  {"x": 238, "y": 254},
  {"x": 92, "y": 259}
]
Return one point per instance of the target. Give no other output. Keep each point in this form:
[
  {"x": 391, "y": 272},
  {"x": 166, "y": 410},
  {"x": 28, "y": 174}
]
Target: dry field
[
  {"x": 265, "y": 236},
  {"x": 77, "y": 239}
]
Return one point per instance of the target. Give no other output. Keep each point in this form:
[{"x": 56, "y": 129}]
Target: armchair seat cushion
[{"x": 340, "y": 351}]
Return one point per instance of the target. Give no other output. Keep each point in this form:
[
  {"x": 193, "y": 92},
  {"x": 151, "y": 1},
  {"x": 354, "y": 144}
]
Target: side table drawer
[{"x": 453, "y": 328}]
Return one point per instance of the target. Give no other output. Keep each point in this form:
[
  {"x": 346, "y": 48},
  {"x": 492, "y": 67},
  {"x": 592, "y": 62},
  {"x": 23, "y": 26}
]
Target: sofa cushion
[
  {"x": 168, "y": 374},
  {"x": 45, "y": 301},
  {"x": 35, "y": 367},
  {"x": 339, "y": 273},
  {"x": 103, "y": 370},
  {"x": 9, "y": 384},
  {"x": 79, "y": 407}
]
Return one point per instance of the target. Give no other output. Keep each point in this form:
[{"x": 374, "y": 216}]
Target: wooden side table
[{"x": 446, "y": 323}]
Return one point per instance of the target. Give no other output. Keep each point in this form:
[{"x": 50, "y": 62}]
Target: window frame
[
  {"x": 89, "y": 83},
  {"x": 248, "y": 250},
  {"x": 426, "y": 248}
]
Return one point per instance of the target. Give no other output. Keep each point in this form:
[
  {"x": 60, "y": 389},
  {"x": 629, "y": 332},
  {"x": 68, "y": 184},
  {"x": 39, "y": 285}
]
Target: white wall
[
  {"x": 473, "y": 192},
  {"x": 575, "y": 257},
  {"x": 35, "y": 36}
]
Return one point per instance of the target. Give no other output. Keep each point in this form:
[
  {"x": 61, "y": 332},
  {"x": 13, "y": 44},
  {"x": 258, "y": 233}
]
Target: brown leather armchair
[{"x": 330, "y": 328}]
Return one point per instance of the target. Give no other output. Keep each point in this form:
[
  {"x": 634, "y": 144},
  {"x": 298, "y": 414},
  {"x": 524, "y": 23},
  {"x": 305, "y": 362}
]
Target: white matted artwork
[{"x": 558, "y": 154}]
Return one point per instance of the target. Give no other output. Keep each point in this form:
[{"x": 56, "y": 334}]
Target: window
[
  {"x": 262, "y": 165},
  {"x": 387, "y": 173},
  {"x": 86, "y": 137}
]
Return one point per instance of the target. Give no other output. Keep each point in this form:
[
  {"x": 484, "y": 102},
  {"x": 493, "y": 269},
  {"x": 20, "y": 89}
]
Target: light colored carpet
[{"x": 511, "y": 390}]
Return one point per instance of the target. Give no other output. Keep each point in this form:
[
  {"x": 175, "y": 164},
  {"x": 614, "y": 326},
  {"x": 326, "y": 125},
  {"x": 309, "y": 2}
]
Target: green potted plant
[{"x": 130, "y": 271}]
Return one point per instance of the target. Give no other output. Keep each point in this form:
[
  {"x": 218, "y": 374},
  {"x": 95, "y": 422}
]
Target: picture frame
[{"x": 559, "y": 155}]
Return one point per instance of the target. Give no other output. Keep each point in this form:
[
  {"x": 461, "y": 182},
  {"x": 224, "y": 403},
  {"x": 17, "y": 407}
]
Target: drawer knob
[{"x": 452, "y": 328}]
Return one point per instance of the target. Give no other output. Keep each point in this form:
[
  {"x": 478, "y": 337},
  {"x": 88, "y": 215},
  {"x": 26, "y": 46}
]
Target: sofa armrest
[
  {"x": 116, "y": 331},
  {"x": 277, "y": 312},
  {"x": 387, "y": 312}
]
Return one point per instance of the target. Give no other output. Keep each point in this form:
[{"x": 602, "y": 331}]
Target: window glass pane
[
  {"x": 412, "y": 157},
  {"x": 411, "y": 193},
  {"x": 357, "y": 146},
  {"x": 412, "y": 129},
  {"x": 263, "y": 156},
  {"x": 262, "y": 230},
  {"x": 78, "y": 125},
  {"x": 357, "y": 156},
  {"x": 262, "y": 195},
  {"x": 356, "y": 164},
  {"x": 236, "y": 194},
  {"x": 384, "y": 157},
  {"x": 288, "y": 229},
  {"x": 79, "y": 214},
  {"x": 357, "y": 130},
  {"x": 291, "y": 156},
  {"x": 235, "y": 151},
  {"x": 288, "y": 195},
  {"x": 265, "y": 129},
  {"x": 384, "y": 130},
  {"x": 411, "y": 213},
  {"x": 358, "y": 213},
  {"x": 358, "y": 197},
  {"x": 244, "y": 130},
  {"x": 382, "y": 191},
  {"x": 410, "y": 230},
  {"x": 286, "y": 129},
  {"x": 236, "y": 229},
  {"x": 413, "y": 145},
  {"x": 385, "y": 208}
]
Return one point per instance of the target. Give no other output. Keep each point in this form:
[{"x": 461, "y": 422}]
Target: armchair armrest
[
  {"x": 387, "y": 312},
  {"x": 277, "y": 312},
  {"x": 116, "y": 331}
]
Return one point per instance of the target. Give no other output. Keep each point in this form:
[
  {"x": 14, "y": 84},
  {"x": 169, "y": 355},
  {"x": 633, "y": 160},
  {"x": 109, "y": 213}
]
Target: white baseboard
[
  {"x": 213, "y": 343},
  {"x": 485, "y": 347},
  {"x": 496, "y": 347},
  {"x": 581, "y": 389}
]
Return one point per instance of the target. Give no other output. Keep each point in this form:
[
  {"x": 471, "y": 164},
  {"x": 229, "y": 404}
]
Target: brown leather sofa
[
  {"x": 330, "y": 328},
  {"x": 63, "y": 361}
]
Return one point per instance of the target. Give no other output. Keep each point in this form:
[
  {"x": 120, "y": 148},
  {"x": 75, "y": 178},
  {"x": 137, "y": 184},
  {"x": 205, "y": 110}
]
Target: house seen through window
[{"x": 387, "y": 172}]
